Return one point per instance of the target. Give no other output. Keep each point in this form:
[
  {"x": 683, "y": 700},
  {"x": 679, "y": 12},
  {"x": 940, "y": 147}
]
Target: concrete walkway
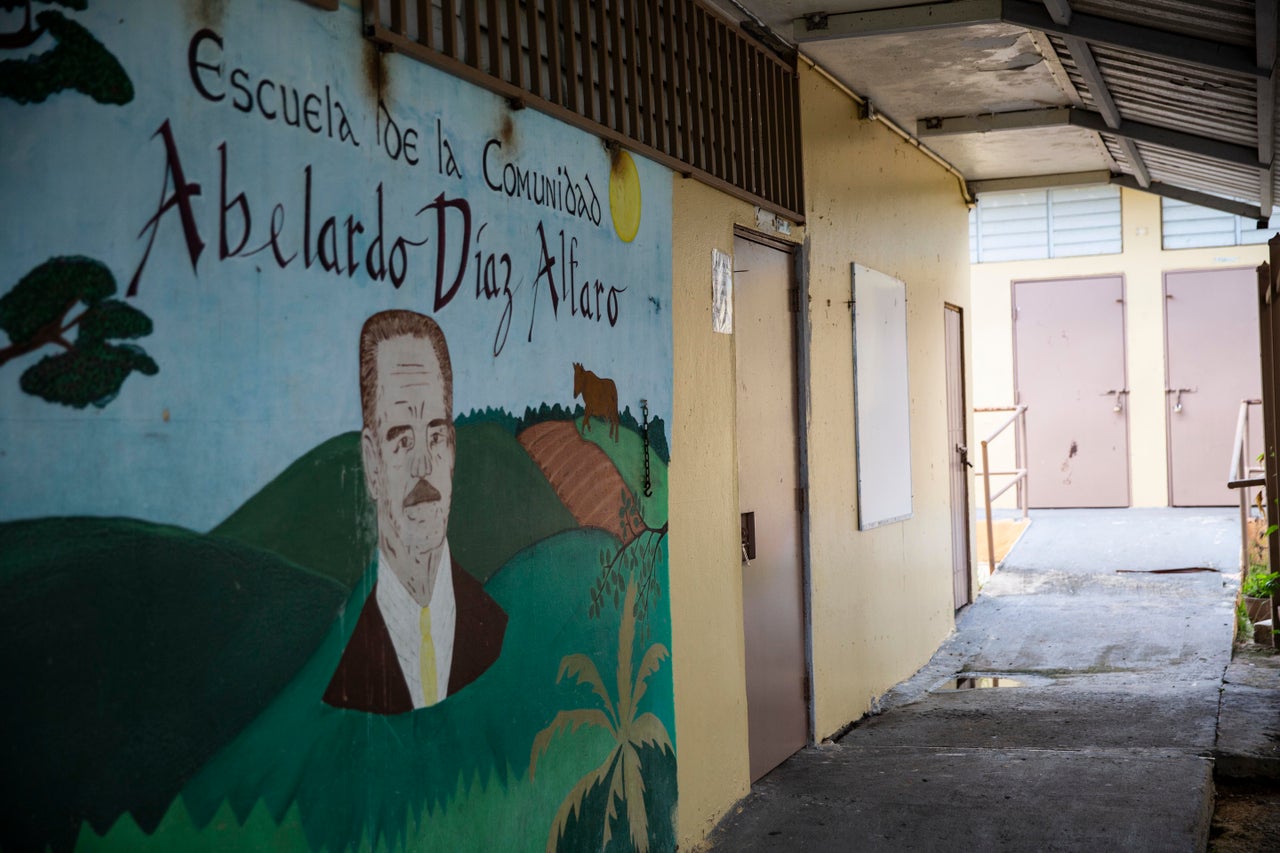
[{"x": 1108, "y": 743}]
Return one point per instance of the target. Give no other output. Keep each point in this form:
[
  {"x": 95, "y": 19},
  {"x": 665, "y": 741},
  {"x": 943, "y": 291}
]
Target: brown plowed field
[{"x": 583, "y": 476}]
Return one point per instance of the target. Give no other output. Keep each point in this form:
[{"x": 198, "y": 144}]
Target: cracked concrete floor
[{"x": 1107, "y": 746}]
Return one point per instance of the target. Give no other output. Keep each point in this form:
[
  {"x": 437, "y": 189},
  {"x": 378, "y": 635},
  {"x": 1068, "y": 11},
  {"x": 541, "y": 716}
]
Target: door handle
[
  {"x": 1177, "y": 400},
  {"x": 1119, "y": 394},
  {"x": 964, "y": 455}
]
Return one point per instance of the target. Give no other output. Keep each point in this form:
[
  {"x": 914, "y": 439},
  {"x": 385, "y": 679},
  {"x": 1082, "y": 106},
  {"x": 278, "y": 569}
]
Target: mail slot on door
[{"x": 748, "y": 537}]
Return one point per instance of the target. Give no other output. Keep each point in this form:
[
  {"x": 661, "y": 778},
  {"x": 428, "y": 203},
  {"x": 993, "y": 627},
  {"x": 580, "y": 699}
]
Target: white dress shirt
[{"x": 403, "y": 616}]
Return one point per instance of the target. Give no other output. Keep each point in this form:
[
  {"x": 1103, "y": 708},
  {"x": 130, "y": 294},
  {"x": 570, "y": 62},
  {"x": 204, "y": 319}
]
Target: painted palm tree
[{"x": 630, "y": 731}]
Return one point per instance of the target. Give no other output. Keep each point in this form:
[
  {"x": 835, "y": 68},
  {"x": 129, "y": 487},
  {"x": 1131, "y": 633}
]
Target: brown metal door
[
  {"x": 957, "y": 444},
  {"x": 772, "y": 585},
  {"x": 1070, "y": 373},
  {"x": 1211, "y": 364}
]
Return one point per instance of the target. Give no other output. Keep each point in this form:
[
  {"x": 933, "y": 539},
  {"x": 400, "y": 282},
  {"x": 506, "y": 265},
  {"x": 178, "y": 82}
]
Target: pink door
[
  {"x": 1211, "y": 364},
  {"x": 768, "y": 475},
  {"x": 1070, "y": 373}
]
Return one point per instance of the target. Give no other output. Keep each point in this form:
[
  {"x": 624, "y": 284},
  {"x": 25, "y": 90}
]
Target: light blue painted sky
[{"x": 258, "y": 363}]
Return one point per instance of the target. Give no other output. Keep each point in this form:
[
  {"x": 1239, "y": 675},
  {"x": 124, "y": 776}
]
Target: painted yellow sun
[{"x": 624, "y": 196}]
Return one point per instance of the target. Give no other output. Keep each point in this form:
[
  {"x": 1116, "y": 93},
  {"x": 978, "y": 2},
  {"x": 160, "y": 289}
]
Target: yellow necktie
[{"x": 427, "y": 660}]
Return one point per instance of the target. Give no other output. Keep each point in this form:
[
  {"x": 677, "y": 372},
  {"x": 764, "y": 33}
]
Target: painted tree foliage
[
  {"x": 619, "y": 715},
  {"x": 634, "y": 560},
  {"x": 629, "y": 578},
  {"x": 38, "y": 312},
  {"x": 77, "y": 60}
]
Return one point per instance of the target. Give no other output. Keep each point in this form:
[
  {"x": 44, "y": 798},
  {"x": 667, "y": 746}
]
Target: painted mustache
[{"x": 422, "y": 492}]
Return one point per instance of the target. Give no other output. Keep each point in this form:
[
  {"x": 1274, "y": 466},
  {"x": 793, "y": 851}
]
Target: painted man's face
[{"x": 412, "y": 445}]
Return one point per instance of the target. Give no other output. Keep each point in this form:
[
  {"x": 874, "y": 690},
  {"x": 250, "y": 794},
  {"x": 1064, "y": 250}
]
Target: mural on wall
[{"x": 315, "y": 531}]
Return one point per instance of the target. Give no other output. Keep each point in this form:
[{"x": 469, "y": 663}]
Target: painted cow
[{"x": 599, "y": 399}]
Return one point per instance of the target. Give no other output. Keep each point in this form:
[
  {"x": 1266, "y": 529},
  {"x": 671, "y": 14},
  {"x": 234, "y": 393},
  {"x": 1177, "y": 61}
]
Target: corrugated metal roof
[
  {"x": 1199, "y": 173},
  {"x": 1178, "y": 71},
  {"x": 1225, "y": 21},
  {"x": 1219, "y": 105},
  {"x": 1182, "y": 96}
]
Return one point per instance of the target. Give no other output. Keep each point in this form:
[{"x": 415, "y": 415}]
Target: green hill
[
  {"x": 343, "y": 778},
  {"x": 132, "y": 653},
  {"x": 317, "y": 514},
  {"x": 501, "y": 501},
  {"x": 627, "y": 455}
]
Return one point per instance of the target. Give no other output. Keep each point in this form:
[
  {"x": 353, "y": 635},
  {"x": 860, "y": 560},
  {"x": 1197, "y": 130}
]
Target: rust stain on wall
[
  {"x": 507, "y": 131},
  {"x": 208, "y": 13},
  {"x": 376, "y": 71}
]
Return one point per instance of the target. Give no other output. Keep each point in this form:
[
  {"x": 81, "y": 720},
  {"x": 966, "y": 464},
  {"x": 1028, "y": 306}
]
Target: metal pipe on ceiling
[{"x": 862, "y": 101}]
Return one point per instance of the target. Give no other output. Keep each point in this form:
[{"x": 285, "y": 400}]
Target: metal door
[
  {"x": 772, "y": 584},
  {"x": 1070, "y": 373},
  {"x": 957, "y": 443},
  {"x": 1211, "y": 364}
]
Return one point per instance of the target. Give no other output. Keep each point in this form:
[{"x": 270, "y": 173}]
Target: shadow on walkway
[{"x": 1105, "y": 746}]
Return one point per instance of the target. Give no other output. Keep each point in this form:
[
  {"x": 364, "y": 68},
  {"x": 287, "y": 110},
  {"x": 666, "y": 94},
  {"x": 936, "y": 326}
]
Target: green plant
[
  {"x": 1244, "y": 628},
  {"x": 1261, "y": 584}
]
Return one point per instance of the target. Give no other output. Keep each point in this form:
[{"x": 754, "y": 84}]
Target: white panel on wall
[{"x": 881, "y": 402}]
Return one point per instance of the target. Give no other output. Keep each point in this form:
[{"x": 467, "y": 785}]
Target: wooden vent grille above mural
[{"x": 670, "y": 80}]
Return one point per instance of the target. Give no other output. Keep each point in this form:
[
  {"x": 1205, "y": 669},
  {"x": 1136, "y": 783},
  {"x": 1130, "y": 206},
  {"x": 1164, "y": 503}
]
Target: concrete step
[{"x": 1248, "y": 739}]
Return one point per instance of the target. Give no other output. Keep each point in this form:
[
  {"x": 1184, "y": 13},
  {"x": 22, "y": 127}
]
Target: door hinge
[
  {"x": 808, "y": 690},
  {"x": 800, "y": 498},
  {"x": 793, "y": 299}
]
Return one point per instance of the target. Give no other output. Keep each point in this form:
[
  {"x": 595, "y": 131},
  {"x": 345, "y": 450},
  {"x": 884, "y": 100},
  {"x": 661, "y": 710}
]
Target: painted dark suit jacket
[{"x": 368, "y": 677}]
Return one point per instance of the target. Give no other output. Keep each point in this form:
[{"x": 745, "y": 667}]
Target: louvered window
[
  {"x": 1188, "y": 226},
  {"x": 1038, "y": 224}
]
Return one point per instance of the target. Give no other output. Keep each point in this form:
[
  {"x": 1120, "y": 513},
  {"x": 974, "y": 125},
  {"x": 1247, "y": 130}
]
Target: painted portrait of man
[{"x": 428, "y": 628}]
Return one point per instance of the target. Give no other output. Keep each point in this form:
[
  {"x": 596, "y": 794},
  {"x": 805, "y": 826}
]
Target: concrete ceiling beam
[
  {"x": 1075, "y": 179},
  {"x": 1239, "y": 208},
  {"x": 1059, "y": 10},
  {"x": 1039, "y": 182},
  {"x": 1140, "y": 171},
  {"x": 1061, "y": 14},
  {"x": 1134, "y": 37},
  {"x": 1093, "y": 29},
  {"x": 824, "y": 26},
  {"x": 1133, "y": 131},
  {"x": 994, "y": 122},
  {"x": 1178, "y": 140}
]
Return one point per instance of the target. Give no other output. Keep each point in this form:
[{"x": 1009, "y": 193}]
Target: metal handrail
[
  {"x": 1018, "y": 419},
  {"x": 1238, "y": 477}
]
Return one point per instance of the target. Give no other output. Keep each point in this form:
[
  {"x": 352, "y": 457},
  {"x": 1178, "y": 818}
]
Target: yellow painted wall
[
  {"x": 1142, "y": 264},
  {"x": 881, "y": 600},
  {"x": 706, "y": 575}
]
